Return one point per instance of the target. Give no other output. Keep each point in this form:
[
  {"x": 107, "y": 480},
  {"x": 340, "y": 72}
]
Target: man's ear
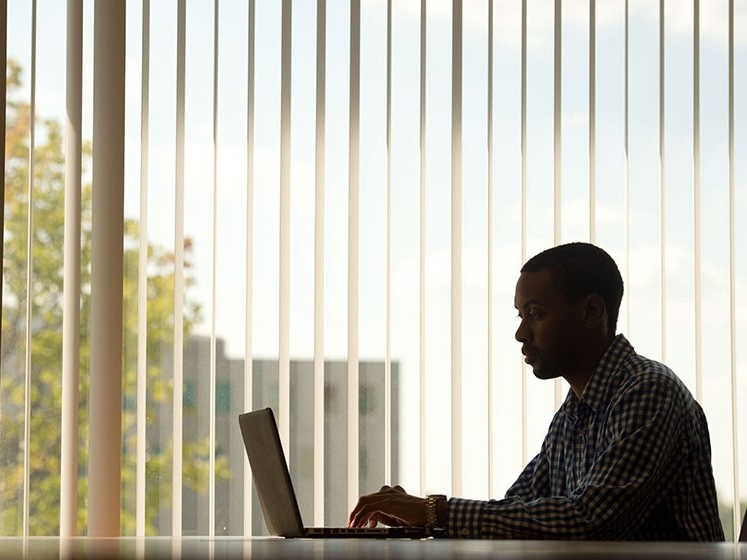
[{"x": 595, "y": 311}]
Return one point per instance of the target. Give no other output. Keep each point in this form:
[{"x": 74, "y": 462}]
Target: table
[{"x": 268, "y": 547}]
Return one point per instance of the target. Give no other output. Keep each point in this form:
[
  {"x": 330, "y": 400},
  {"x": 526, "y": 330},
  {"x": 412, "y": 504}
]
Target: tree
[{"x": 46, "y": 297}]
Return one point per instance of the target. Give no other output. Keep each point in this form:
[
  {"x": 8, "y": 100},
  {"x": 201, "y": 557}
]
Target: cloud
[{"x": 540, "y": 17}]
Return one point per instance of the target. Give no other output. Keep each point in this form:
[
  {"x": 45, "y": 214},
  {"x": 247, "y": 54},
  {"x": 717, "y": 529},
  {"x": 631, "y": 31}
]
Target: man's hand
[{"x": 390, "y": 506}]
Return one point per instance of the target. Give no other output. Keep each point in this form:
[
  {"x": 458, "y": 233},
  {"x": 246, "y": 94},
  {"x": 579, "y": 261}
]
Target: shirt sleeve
[
  {"x": 625, "y": 482},
  {"x": 534, "y": 481}
]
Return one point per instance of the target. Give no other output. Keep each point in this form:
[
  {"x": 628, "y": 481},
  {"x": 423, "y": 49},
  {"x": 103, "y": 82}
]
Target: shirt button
[{"x": 465, "y": 532}]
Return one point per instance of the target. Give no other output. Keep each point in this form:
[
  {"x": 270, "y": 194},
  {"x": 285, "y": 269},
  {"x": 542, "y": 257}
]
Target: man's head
[
  {"x": 582, "y": 269},
  {"x": 568, "y": 299}
]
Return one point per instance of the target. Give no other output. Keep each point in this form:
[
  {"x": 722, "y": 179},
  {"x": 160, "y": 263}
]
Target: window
[{"x": 325, "y": 207}]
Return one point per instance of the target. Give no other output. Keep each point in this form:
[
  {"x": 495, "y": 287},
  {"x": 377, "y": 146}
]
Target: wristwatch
[{"x": 431, "y": 514}]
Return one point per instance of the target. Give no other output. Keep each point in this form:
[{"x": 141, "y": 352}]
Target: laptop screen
[{"x": 270, "y": 472}]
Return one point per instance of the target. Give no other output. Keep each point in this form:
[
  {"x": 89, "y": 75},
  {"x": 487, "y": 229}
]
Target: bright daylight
[{"x": 323, "y": 207}]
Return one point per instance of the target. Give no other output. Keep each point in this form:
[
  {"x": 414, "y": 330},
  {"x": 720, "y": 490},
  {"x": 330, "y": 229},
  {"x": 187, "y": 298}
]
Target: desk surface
[{"x": 229, "y": 548}]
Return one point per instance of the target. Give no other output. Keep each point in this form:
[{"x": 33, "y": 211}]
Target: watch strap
[{"x": 431, "y": 512}]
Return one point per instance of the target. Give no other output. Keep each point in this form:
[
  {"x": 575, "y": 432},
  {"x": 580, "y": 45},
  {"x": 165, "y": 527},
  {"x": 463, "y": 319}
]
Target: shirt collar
[{"x": 604, "y": 380}]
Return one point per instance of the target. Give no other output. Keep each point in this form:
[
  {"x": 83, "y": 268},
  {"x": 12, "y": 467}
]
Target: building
[{"x": 229, "y": 403}]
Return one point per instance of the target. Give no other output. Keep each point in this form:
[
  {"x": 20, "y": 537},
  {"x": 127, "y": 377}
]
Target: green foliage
[{"x": 46, "y": 198}]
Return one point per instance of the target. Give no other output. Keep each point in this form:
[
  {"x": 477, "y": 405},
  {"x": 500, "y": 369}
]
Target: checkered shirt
[{"x": 629, "y": 460}]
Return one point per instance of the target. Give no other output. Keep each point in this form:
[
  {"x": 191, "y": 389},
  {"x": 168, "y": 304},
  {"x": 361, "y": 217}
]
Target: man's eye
[{"x": 532, "y": 314}]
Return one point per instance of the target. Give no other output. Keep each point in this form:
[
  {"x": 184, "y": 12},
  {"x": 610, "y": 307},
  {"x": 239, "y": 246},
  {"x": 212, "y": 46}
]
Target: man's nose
[{"x": 521, "y": 333}]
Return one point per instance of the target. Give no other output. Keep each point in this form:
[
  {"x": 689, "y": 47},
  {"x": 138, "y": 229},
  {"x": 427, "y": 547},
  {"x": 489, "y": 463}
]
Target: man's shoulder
[
  {"x": 639, "y": 365},
  {"x": 638, "y": 370}
]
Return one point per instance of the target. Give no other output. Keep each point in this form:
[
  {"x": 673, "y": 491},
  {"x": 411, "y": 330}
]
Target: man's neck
[{"x": 588, "y": 365}]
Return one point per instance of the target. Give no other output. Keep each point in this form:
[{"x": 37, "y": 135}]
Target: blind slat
[
  {"x": 105, "y": 429},
  {"x": 736, "y": 510},
  {"x": 662, "y": 188},
  {"x": 353, "y": 248},
  {"x": 71, "y": 315},
  {"x": 388, "y": 271},
  {"x": 249, "y": 236},
  {"x": 142, "y": 287},
  {"x": 285, "y": 226},
  {"x": 491, "y": 447},
  {"x": 213, "y": 276},
  {"x": 456, "y": 250},
  {"x": 178, "y": 389},
  {"x": 321, "y": 95},
  {"x": 29, "y": 278},
  {"x": 421, "y": 250},
  {"x": 558, "y": 146},
  {"x": 524, "y": 210}
]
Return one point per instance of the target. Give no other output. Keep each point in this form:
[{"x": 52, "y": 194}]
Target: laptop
[{"x": 275, "y": 489}]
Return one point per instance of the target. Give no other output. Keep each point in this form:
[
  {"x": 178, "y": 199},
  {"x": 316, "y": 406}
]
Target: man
[{"x": 627, "y": 455}]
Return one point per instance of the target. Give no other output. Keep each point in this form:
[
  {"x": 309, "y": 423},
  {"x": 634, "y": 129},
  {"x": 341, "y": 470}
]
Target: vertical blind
[{"x": 327, "y": 204}]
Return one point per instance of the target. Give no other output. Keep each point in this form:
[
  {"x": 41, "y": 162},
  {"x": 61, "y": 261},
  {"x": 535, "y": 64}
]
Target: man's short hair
[{"x": 582, "y": 269}]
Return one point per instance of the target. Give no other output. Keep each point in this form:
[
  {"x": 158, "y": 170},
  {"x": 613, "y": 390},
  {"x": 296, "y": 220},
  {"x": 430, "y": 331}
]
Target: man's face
[{"x": 550, "y": 328}]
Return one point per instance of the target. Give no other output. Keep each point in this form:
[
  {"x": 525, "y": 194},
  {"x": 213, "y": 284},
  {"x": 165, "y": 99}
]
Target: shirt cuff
[{"x": 464, "y": 518}]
